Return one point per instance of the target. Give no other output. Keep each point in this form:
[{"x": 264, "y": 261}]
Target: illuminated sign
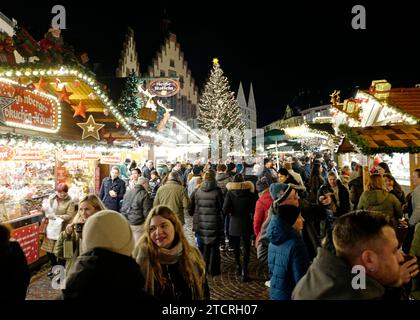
[
  {"x": 164, "y": 87},
  {"x": 23, "y": 108}
]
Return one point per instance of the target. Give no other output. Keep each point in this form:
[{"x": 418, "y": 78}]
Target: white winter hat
[{"x": 108, "y": 230}]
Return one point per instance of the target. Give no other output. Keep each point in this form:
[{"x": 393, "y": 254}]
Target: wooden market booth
[
  {"x": 57, "y": 125},
  {"x": 382, "y": 123}
]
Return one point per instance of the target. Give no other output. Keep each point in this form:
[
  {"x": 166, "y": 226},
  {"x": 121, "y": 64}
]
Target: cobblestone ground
[{"x": 227, "y": 286}]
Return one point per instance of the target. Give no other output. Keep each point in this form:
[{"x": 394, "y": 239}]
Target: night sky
[{"x": 294, "y": 53}]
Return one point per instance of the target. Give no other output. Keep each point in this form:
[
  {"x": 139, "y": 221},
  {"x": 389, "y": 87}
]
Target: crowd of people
[{"x": 309, "y": 221}]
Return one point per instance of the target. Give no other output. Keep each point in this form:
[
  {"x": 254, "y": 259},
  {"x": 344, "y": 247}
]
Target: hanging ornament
[
  {"x": 79, "y": 110},
  {"x": 117, "y": 125},
  {"x": 110, "y": 139},
  {"x": 92, "y": 96},
  {"x": 57, "y": 82},
  {"x": 90, "y": 128},
  {"x": 106, "y": 112},
  {"x": 42, "y": 85},
  {"x": 64, "y": 95},
  {"x": 76, "y": 83}
]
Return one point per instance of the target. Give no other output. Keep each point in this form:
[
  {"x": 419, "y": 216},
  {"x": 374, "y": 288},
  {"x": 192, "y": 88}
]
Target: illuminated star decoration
[
  {"x": 215, "y": 61},
  {"x": 64, "y": 95},
  {"x": 90, "y": 128},
  {"x": 42, "y": 85},
  {"x": 79, "y": 110}
]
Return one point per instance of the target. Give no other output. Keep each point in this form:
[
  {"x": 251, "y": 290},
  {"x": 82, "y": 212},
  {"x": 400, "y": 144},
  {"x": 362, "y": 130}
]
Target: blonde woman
[
  {"x": 376, "y": 198},
  {"x": 173, "y": 269},
  {"x": 67, "y": 246}
]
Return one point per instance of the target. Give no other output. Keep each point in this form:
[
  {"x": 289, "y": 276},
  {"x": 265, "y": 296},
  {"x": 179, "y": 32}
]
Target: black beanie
[{"x": 288, "y": 213}]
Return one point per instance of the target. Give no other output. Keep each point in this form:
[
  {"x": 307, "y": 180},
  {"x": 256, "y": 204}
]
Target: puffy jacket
[
  {"x": 288, "y": 259},
  {"x": 208, "y": 202},
  {"x": 261, "y": 212},
  {"x": 240, "y": 204},
  {"x": 118, "y": 185},
  {"x": 415, "y": 250},
  {"x": 382, "y": 201},
  {"x": 136, "y": 205}
]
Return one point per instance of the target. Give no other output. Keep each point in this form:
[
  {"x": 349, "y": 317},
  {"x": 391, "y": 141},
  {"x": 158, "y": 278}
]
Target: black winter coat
[
  {"x": 343, "y": 194},
  {"x": 240, "y": 204},
  {"x": 104, "y": 275},
  {"x": 177, "y": 288},
  {"x": 118, "y": 185},
  {"x": 14, "y": 272},
  {"x": 207, "y": 206},
  {"x": 136, "y": 205}
]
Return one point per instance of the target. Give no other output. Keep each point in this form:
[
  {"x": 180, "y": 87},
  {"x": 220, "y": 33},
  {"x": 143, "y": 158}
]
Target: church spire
[
  {"x": 241, "y": 96},
  {"x": 251, "y": 99}
]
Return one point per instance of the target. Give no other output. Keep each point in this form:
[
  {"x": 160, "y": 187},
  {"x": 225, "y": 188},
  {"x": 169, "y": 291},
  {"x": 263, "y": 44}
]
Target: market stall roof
[
  {"x": 325, "y": 127},
  {"x": 405, "y": 99},
  {"x": 80, "y": 89},
  {"x": 383, "y": 139}
]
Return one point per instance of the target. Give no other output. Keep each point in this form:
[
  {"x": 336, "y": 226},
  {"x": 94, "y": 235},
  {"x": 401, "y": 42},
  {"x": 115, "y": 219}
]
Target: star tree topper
[{"x": 90, "y": 128}]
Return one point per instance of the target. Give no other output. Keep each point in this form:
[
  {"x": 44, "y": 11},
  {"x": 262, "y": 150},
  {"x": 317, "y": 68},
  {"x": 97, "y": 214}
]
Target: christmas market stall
[
  {"x": 384, "y": 127},
  {"x": 57, "y": 124}
]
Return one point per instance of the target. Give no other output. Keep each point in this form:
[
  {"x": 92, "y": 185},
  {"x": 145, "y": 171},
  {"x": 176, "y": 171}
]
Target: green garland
[{"x": 364, "y": 146}]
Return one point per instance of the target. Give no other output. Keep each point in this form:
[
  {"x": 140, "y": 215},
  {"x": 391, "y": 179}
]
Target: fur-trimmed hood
[{"x": 246, "y": 185}]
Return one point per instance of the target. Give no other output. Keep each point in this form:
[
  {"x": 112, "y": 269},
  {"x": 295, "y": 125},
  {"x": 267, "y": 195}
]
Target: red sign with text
[
  {"x": 24, "y": 108},
  {"x": 28, "y": 239}
]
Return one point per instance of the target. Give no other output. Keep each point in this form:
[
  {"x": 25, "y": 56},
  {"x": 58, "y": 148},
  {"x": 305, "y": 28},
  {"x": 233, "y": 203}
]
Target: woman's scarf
[{"x": 170, "y": 256}]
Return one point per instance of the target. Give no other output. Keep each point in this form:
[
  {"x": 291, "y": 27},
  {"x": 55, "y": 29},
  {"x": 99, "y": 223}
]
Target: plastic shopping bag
[{"x": 54, "y": 228}]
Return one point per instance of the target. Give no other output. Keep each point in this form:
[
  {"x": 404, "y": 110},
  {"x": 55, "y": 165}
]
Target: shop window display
[{"x": 23, "y": 186}]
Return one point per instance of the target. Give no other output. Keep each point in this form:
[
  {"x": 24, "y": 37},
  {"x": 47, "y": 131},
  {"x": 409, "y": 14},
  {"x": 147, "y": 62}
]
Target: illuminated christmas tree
[
  {"x": 218, "y": 108},
  {"x": 129, "y": 102}
]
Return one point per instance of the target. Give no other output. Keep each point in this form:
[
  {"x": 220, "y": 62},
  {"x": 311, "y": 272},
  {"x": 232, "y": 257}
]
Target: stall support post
[{"x": 277, "y": 156}]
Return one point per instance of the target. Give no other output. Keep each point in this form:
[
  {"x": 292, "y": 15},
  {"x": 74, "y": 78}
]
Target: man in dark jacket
[
  {"x": 365, "y": 240},
  {"x": 223, "y": 178},
  {"x": 112, "y": 190},
  {"x": 136, "y": 206},
  {"x": 334, "y": 198},
  {"x": 14, "y": 270},
  {"x": 147, "y": 169}
]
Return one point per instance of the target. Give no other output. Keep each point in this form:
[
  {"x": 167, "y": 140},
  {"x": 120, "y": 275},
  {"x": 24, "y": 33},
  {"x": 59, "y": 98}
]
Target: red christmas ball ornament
[{"x": 76, "y": 83}]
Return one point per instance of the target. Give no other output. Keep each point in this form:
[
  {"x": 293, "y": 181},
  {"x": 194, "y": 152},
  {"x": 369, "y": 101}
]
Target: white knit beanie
[{"x": 108, "y": 230}]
